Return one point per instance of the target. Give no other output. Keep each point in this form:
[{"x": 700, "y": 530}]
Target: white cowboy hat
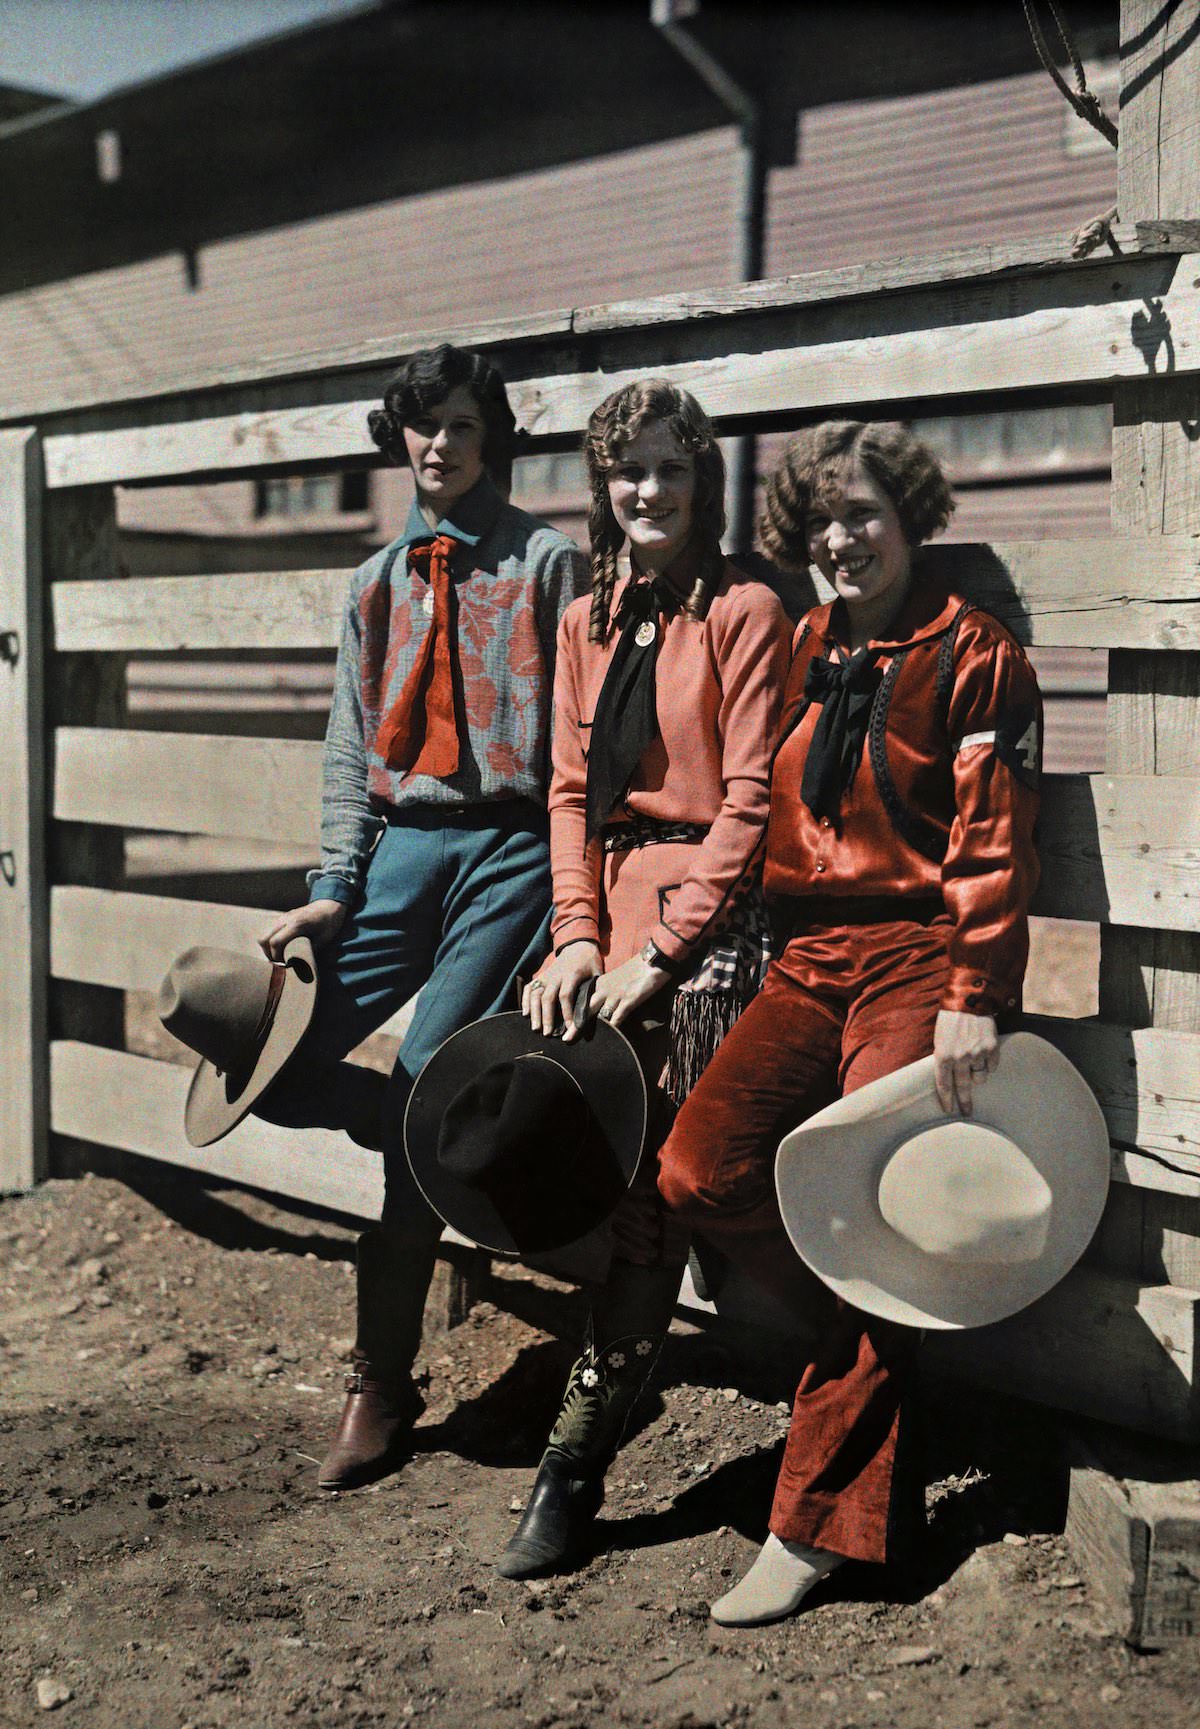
[
  {"x": 245, "y": 1015},
  {"x": 940, "y": 1221}
]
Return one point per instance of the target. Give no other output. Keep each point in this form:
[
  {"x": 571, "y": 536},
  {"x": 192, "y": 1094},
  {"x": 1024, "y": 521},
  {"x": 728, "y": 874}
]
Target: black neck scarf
[
  {"x": 626, "y": 717},
  {"x": 845, "y": 690}
]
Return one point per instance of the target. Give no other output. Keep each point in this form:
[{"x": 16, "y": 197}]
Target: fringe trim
[{"x": 699, "y": 1021}]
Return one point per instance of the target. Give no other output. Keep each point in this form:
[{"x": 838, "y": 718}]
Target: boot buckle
[{"x": 355, "y": 1383}]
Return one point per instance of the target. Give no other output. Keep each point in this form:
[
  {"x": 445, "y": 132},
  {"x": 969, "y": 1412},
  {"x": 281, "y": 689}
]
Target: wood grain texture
[
  {"x": 1115, "y": 851},
  {"x": 1035, "y": 333},
  {"x": 23, "y": 865},
  {"x": 119, "y": 1100},
  {"x": 1133, "y": 1528},
  {"x": 1158, "y": 157},
  {"x": 1097, "y": 1344},
  {"x": 1104, "y": 593},
  {"x": 126, "y": 942},
  {"x": 257, "y": 789}
]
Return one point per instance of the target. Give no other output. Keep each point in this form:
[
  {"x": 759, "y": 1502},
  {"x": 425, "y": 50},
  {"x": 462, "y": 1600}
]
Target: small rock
[
  {"x": 100, "y": 1300},
  {"x": 1071, "y": 1584},
  {"x": 71, "y": 1307},
  {"x": 30, "y": 1595},
  {"x": 112, "y": 1238},
  {"x": 875, "y": 1696},
  {"x": 86, "y": 1355},
  {"x": 516, "y": 1505},
  {"x": 912, "y": 1656},
  {"x": 265, "y": 1366},
  {"x": 93, "y": 1272},
  {"x": 1109, "y": 1693},
  {"x": 1016, "y": 1539},
  {"x": 731, "y": 1394},
  {"x": 52, "y": 1693}
]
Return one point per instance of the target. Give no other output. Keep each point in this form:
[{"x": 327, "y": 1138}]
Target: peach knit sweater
[{"x": 719, "y": 685}]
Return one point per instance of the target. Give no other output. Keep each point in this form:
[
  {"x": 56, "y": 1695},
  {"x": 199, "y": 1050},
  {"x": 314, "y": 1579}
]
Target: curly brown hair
[
  {"x": 426, "y": 378},
  {"x": 820, "y": 458},
  {"x": 619, "y": 418}
]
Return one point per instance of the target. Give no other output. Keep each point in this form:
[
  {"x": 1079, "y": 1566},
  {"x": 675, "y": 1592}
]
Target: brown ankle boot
[{"x": 374, "y": 1432}]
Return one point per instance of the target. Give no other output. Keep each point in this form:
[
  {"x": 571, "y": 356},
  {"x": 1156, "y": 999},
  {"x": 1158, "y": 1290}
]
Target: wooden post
[
  {"x": 24, "y": 897},
  {"x": 1134, "y": 1539}
]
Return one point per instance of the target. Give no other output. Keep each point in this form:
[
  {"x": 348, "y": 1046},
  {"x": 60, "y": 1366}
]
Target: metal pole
[{"x": 667, "y": 17}]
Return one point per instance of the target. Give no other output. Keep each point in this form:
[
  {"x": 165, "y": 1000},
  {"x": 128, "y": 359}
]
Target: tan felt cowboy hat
[
  {"x": 245, "y": 1015},
  {"x": 941, "y": 1221},
  {"x": 521, "y": 1142}
]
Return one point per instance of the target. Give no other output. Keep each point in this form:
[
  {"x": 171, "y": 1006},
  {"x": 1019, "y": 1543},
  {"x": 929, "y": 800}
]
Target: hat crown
[
  {"x": 960, "y": 1191},
  {"x": 214, "y": 1000},
  {"x": 496, "y": 1122}
]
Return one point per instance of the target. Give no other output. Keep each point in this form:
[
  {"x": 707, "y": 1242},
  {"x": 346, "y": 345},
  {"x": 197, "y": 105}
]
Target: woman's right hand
[
  {"x": 550, "y": 997},
  {"x": 319, "y": 921}
]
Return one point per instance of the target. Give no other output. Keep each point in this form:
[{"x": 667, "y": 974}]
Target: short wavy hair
[
  {"x": 618, "y": 420},
  {"x": 820, "y": 458},
  {"x": 426, "y": 378}
]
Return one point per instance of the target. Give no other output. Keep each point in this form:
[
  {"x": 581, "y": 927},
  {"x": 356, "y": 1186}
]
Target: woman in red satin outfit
[{"x": 900, "y": 863}]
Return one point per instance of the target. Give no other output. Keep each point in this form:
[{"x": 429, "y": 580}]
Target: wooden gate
[{"x": 1006, "y": 324}]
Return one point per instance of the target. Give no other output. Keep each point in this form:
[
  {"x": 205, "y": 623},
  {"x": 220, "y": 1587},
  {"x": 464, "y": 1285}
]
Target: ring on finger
[{"x": 537, "y": 985}]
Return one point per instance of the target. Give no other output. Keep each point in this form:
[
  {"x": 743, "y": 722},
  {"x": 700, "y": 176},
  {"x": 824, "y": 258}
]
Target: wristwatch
[{"x": 654, "y": 957}]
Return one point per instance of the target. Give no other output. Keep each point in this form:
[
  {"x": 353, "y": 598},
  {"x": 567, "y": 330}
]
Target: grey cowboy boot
[{"x": 602, "y": 1389}]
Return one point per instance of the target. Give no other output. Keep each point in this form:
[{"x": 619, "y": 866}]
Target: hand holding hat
[{"x": 941, "y": 1221}]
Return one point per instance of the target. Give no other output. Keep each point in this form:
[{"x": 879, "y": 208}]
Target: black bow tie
[{"x": 845, "y": 690}]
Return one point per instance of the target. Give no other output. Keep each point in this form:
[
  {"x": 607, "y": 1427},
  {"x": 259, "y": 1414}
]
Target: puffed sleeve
[
  {"x": 574, "y": 861},
  {"x": 750, "y": 644},
  {"x": 991, "y": 866}
]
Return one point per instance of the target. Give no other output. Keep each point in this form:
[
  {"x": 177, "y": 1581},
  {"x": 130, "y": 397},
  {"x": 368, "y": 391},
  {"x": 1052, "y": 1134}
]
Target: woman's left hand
[
  {"x": 616, "y": 995},
  {"x": 965, "y": 1051}
]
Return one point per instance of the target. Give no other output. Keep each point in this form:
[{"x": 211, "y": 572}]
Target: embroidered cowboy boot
[
  {"x": 382, "y": 1403},
  {"x": 602, "y": 1389}
]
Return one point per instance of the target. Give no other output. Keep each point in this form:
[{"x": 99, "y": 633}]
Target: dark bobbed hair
[
  {"x": 426, "y": 378},
  {"x": 820, "y": 458},
  {"x": 618, "y": 420}
]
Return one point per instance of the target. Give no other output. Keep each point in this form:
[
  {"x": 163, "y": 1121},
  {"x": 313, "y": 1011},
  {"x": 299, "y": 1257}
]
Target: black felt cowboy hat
[
  {"x": 245, "y": 1015},
  {"x": 524, "y": 1143}
]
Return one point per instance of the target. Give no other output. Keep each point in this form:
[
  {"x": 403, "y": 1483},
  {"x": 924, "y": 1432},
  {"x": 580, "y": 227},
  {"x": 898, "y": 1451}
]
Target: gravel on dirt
[{"x": 172, "y": 1357}]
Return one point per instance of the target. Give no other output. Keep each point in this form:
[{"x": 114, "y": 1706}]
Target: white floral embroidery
[
  {"x": 589, "y": 1377},
  {"x": 644, "y": 1347},
  {"x": 617, "y": 1359}
]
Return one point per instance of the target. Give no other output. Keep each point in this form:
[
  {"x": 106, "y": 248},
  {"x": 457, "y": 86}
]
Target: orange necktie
[{"x": 420, "y": 735}]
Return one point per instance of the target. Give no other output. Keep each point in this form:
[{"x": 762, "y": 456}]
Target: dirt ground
[{"x": 172, "y": 1362}]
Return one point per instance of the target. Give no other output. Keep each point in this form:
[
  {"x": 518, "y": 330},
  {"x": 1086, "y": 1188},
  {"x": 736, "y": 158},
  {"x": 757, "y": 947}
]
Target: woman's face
[
  {"x": 651, "y": 489},
  {"x": 856, "y": 541},
  {"x": 445, "y": 448}
]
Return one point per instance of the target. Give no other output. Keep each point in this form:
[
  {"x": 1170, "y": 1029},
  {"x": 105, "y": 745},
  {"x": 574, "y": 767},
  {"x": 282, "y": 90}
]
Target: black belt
[{"x": 647, "y": 831}]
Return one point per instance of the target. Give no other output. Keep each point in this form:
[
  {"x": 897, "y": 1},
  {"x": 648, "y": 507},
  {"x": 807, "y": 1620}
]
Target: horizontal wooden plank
[
  {"x": 1114, "y": 850},
  {"x": 294, "y": 609},
  {"x": 250, "y": 788},
  {"x": 1121, "y": 850},
  {"x": 1103, "y": 593},
  {"x": 1039, "y": 332},
  {"x": 849, "y": 282},
  {"x": 1102, "y": 1346},
  {"x": 1148, "y": 1083},
  {"x": 118, "y": 1100},
  {"x": 127, "y": 941}
]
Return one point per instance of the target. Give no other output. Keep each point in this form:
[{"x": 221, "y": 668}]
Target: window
[{"x": 313, "y": 495}]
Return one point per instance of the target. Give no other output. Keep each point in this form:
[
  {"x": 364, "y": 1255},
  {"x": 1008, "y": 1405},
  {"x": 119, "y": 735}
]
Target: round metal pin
[{"x": 645, "y": 633}]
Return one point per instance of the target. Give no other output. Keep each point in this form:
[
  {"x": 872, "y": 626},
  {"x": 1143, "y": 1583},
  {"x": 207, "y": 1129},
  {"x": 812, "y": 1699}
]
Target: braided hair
[
  {"x": 426, "y": 378},
  {"x": 618, "y": 420}
]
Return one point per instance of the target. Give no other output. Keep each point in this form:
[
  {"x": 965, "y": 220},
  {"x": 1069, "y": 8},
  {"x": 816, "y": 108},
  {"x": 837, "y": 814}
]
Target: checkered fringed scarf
[
  {"x": 723, "y": 976},
  {"x": 726, "y": 975}
]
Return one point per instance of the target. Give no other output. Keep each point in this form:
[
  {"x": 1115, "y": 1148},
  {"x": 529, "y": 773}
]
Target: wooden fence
[{"x": 1002, "y": 324}]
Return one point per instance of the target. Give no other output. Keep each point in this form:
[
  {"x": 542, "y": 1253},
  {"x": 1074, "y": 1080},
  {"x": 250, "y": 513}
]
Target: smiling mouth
[
  {"x": 654, "y": 516},
  {"x": 853, "y": 566}
]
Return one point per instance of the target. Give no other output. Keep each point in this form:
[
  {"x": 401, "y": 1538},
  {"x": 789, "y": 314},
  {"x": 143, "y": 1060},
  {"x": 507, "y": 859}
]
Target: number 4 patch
[{"x": 1019, "y": 744}]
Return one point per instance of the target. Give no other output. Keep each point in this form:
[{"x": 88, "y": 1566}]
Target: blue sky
[{"x": 81, "y": 48}]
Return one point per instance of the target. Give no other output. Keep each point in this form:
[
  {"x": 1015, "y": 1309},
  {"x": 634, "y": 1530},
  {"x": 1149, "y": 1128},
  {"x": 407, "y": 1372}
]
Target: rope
[{"x": 1082, "y": 100}]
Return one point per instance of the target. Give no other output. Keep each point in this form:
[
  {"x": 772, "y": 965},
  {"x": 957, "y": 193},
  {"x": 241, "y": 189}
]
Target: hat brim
[
  {"x": 217, "y": 1102},
  {"x": 605, "y": 1066},
  {"x": 827, "y": 1179}
]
